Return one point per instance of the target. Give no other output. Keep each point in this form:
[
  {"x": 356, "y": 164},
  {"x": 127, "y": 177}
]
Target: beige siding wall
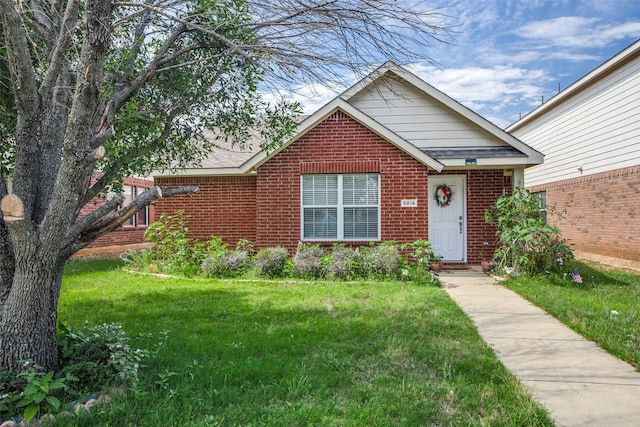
[
  {"x": 418, "y": 118},
  {"x": 597, "y": 130}
]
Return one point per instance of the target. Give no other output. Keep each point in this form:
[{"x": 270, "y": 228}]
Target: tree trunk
[{"x": 29, "y": 317}]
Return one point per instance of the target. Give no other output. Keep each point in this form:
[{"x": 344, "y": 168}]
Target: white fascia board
[
  {"x": 489, "y": 162},
  {"x": 339, "y": 104}
]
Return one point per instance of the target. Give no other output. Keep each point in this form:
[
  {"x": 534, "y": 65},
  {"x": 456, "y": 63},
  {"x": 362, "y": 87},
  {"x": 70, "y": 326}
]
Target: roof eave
[{"x": 195, "y": 172}]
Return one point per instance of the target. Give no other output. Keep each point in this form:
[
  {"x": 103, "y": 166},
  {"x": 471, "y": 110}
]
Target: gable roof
[
  {"x": 622, "y": 58},
  {"x": 339, "y": 104},
  {"x": 490, "y": 146},
  {"x": 453, "y": 155}
]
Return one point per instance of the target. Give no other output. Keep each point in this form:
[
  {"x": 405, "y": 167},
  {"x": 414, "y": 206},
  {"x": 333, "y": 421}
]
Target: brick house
[
  {"x": 391, "y": 158},
  {"x": 590, "y": 134}
]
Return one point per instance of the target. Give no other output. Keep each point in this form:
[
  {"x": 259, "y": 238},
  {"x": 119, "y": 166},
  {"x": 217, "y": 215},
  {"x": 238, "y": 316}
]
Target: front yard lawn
[
  {"x": 604, "y": 308},
  {"x": 295, "y": 353}
]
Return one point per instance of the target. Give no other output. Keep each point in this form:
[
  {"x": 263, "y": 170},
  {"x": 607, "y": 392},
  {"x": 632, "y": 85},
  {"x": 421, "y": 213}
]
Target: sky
[{"x": 506, "y": 56}]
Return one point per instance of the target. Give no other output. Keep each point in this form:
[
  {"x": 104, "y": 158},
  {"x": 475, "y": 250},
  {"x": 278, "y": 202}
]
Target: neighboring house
[
  {"x": 391, "y": 158},
  {"x": 590, "y": 135},
  {"x": 131, "y": 232}
]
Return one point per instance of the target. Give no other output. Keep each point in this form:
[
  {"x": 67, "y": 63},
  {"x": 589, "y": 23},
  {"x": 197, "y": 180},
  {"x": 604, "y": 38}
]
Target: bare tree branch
[
  {"x": 61, "y": 45},
  {"x": 116, "y": 219}
]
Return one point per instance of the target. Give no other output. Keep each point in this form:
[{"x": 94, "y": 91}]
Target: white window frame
[
  {"x": 129, "y": 191},
  {"x": 340, "y": 207},
  {"x": 133, "y": 193}
]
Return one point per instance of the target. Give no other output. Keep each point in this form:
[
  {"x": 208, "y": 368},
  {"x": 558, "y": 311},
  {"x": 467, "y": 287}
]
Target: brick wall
[
  {"x": 223, "y": 206},
  {"x": 602, "y": 213},
  {"x": 340, "y": 145}
]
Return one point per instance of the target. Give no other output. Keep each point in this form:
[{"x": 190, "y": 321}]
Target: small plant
[
  {"x": 171, "y": 251},
  {"x": 246, "y": 246},
  {"x": 308, "y": 262},
  {"x": 272, "y": 262},
  {"x": 381, "y": 260},
  {"x": 38, "y": 394},
  {"x": 420, "y": 251},
  {"x": 100, "y": 356},
  {"x": 344, "y": 262}
]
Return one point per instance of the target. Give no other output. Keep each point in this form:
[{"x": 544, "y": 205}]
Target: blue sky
[{"x": 508, "y": 54}]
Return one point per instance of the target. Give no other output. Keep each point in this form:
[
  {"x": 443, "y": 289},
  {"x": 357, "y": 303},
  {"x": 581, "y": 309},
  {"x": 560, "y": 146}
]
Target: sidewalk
[{"x": 578, "y": 382}]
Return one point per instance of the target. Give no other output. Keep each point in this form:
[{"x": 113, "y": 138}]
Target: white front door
[{"x": 447, "y": 219}]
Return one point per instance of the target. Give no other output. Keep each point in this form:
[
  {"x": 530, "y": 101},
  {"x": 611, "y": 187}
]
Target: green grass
[
  {"x": 294, "y": 353},
  {"x": 604, "y": 308}
]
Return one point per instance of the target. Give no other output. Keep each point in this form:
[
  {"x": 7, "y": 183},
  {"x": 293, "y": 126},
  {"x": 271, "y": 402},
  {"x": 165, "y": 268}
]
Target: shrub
[
  {"x": 381, "y": 260},
  {"x": 100, "y": 356},
  {"x": 226, "y": 264},
  {"x": 345, "y": 263},
  {"x": 272, "y": 262},
  {"x": 246, "y": 246},
  {"x": 309, "y": 262},
  {"x": 420, "y": 251},
  {"x": 11, "y": 387},
  {"x": 526, "y": 243},
  {"x": 171, "y": 250}
]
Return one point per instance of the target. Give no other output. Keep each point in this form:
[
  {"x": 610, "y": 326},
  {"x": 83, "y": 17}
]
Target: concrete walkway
[{"x": 578, "y": 382}]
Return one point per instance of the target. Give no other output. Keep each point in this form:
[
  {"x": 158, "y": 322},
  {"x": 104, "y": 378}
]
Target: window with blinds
[{"x": 341, "y": 207}]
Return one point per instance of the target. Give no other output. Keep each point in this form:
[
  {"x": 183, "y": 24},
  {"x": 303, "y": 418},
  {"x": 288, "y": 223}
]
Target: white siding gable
[
  {"x": 421, "y": 120},
  {"x": 595, "y": 130}
]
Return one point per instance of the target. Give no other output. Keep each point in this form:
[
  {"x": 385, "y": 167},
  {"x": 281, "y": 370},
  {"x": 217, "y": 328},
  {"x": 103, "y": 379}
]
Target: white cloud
[
  {"x": 577, "y": 31},
  {"x": 310, "y": 96},
  {"x": 493, "y": 92}
]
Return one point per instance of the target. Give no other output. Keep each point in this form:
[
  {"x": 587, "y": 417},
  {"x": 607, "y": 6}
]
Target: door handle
[{"x": 460, "y": 224}]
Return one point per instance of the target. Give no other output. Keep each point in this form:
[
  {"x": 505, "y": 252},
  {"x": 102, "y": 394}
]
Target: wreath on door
[{"x": 443, "y": 195}]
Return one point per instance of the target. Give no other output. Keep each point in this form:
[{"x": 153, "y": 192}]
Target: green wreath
[{"x": 443, "y": 195}]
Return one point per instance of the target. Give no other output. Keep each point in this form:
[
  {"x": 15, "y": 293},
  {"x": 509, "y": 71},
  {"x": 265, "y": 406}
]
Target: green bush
[
  {"x": 99, "y": 356},
  {"x": 381, "y": 260},
  {"x": 345, "y": 263},
  {"x": 227, "y": 264},
  {"x": 309, "y": 261},
  {"x": 171, "y": 251},
  {"x": 272, "y": 262},
  {"x": 526, "y": 243}
]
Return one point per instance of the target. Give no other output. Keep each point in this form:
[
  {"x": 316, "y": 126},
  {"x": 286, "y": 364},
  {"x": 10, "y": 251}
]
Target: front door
[{"x": 447, "y": 220}]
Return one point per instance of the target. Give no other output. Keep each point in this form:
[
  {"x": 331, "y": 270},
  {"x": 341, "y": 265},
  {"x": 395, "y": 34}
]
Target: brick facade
[
  {"x": 601, "y": 213},
  {"x": 265, "y": 207},
  {"x": 223, "y": 206}
]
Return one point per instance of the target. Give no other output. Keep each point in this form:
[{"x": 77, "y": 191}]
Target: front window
[
  {"x": 541, "y": 197},
  {"x": 341, "y": 207}
]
